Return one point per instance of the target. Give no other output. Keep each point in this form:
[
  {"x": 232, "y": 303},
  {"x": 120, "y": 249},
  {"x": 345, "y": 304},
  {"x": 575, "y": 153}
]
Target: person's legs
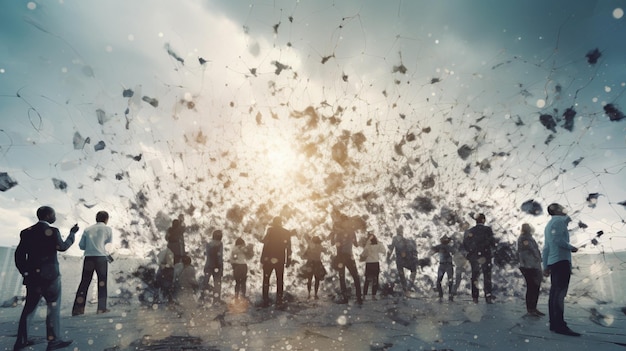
[
  {"x": 475, "y": 273},
  {"x": 400, "y": 269},
  {"x": 280, "y": 274},
  {"x": 375, "y": 274},
  {"x": 440, "y": 272},
  {"x": 354, "y": 272},
  {"x": 101, "y": 267},
  {"x": 529, "y": 278},
  {"x": 486, "y": 270},
  {"x": 342, "y": 281},
  {"x": 33, "y": 295},
  {"x": 52, "y": 294},
  {"x": 217, "y": 282},
  {"x": 89, "y": 266},
  {"x": 244, "y": 280},
  {"x": 267, "y": 272},
  {"x": 559, "y": 279},
  {"x": 534, "y": 287},
  {"x": 458, "y": 273},
  {"x": 450, "y": 274}
]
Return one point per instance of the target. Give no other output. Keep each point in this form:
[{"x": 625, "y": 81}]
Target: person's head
[
  {"x": 400, "y": 230},
  {"x": 445, "y": 240},
  {"x": 102, "y": 217},
  {"x": 46, "y": 213},
  {"x": 480, "y": 218},
  {"x": 186, "y": 260},
  {"x": 277, "y": 221},
  {"x": 527, "y": 229},
  {"x": 555, "y": 209},
  {"x": 316, "y": 239},
  {"x": 240, "y": 242},
  {"x": 217, "y": 235},
  {"x": 373, "y": 239},
  {"x": 176, "y": 223}
]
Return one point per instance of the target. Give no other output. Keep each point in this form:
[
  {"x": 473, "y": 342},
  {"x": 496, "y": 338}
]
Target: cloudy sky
[{"x": 234, "y": 111}]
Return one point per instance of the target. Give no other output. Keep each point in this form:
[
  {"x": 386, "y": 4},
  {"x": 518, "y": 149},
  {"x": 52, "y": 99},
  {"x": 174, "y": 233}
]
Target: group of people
[{"x": 36, "y": 259}]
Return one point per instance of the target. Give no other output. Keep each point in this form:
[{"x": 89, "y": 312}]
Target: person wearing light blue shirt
[
  {"x": 93, "y": 242},
  {"x": 557, "y": 263}
]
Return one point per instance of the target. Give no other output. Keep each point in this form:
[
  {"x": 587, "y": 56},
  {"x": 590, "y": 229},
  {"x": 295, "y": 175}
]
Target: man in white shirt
[{"x": 93, "y": 243}]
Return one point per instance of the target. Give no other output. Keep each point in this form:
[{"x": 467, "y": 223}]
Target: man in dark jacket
[
  {"x": 275, "y": 256},
  {"x": 479, "y": 243},
  {"x": 36, "y": 259}
]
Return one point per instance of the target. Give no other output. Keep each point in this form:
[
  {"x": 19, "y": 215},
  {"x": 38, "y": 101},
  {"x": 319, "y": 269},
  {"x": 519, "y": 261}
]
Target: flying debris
[
  {"x": 59, "y": 184},
  {"x": 79, "y": 142},
  {"x": 171, "y": 52},
  {"x": 484, "y": 165},
  {"x": 135, "y": 158},
  {"x": 6, "y": 182},
  {"x": 99, "y": 146},
  {"x": 532, "y": 207},
  {"x": 623, "y": 203},
  {"x": 102, "y": 116},
  {"x": 128, "y": 93},
  {"x": 613, "y": 113},
  {"x": 399, "y": 69},
  {"x": 340, "y": 152},
  {"x": 592, "y": 199},
  {"x": 326, "y": 58},
  {"x": 578, "y": 161},
  {"x": 548, "y": 122},
  {"x": 423, "y": 204},
  {"x": 569, "y": 115},
  {"x": 151, "y": 101},
  {"x": 582, "y": 225},
  {"x": 202, "y": 61},
  {"x": 593, "y": 56},
  {"x": 279, "y": 67}
]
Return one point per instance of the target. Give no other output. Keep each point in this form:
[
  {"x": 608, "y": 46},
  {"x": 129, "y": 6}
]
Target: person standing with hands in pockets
[{"x": 557, "y": 264}]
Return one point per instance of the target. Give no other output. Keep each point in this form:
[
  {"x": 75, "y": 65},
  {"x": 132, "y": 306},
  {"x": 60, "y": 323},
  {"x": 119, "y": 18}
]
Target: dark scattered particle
[
  {"x": 569, "y": 115},
  {"x": 435, "y": 80},
  {"x": 464, "y": 151},
  {"x": 173, "y": 54},
  {"x": 578, "y": 161},
  {"x": 484, "y": 165},
  {"x": 423, "y": 204},
  {"x": 101, "y": 116},
  {"x": 532, "y": 207},
  {"x": 593, "y": 56},
  {"x": 326, "y": 58},
  {"x": 59, "y": 184},
  {"x": 592, "y": 199},
  {"x": 467, "y": 169},
  {"x": 279, "y": 67},
  {"x": 549, "y": 139},
  {"x": 548, "y": 122},
  {"x": 6, "y": 182},
  {"x": 613, "y": 113},
  {"x": 99, "y": 146},
  {"x": 119, "y": 176},
  {"x": 582, "y": 225},
  {"x": 151, "y": 101},
  {"x": 128, "y": 93},
  {"x": 399, "y": 69},
  {"x": 202, "y": 61},
  {"x": 623, "y": 203}
]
